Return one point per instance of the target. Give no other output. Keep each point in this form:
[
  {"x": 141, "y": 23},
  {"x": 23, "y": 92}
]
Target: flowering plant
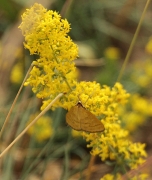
[
  {"x": 46, "y": 35},
  {"x": 54, "y": 72}
]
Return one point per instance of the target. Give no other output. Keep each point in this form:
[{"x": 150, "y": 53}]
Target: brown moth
[{"x": 80, "y": 119}]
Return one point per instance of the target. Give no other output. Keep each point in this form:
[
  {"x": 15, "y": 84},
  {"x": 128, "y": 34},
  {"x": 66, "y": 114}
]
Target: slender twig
[
  {"x": 91, "y": 163},
  {"x": 140, "y": 168},
  {"x": 66, "y": 7},
  {"x": 133, "y": 42},
  {"x": 34, "y": 121},
  {"x": 17, "y": 95}
]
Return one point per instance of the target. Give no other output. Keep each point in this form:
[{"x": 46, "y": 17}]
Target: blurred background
[{"x": 103, "y": 31}]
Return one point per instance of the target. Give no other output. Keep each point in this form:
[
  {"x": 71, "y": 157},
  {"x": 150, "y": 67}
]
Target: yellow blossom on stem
[
  {"x": 17, "y": 73},
  {"x": 54, "y": 72},
  {"x": 111, "y": 177},
  {"x": 46, "y": 35},
  {"x": 118, "y": 177},
  {"x": 141, "y": 73},
  {"x": 112, "y": 53},
  {"x": 140, "y": 177},
  {"x": 76, "y": 133},
  {"x": 112, "y": 144},
  {"x": 42, "y": 129},
  {"x": 137, "y": 111},
  {"x": 149, "y": 46}
]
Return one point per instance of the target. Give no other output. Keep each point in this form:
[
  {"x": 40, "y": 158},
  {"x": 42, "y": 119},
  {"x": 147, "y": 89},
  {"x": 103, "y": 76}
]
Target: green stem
[
  {"x": 133, "y": 42},
  {"x": 61, "y": 74},
  {"x": 33, "y": 122},
  {"x": 14, "y": 102},
  {"x": 118, "y": 157}
]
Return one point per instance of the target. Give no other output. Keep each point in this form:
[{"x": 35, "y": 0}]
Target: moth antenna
[
  {"x": 87, "y": 98},
  {"x": 90, "y": 96}
]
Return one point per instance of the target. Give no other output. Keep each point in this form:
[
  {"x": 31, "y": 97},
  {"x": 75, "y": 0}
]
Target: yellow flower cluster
[
  {"x": 54, "y": 72},
  {"x": 104, "y": 102},
  {"x": 118, "y": 177},
  {"x": 140, "y": 177},
  {"x": 112, "y": 144},
  {"x": 137, "y": 111},
  {"x": 142, "y": 74},
  {"x": 46, "y": 36},
  {"x": 42, "y": 129}
]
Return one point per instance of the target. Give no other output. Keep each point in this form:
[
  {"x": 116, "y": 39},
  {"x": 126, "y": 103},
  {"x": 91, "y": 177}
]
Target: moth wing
[
  {"x": 89, "y": 121},
  {"x": 72, "y": 118}
]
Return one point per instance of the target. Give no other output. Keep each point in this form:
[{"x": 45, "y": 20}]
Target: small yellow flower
[
  {"x": 149, "y": 46},
  {"x": 142, "y": 74},
  {"x": 140, "y": 177},
  {"x": 112, "y": 53},
  {"x": 17, "y": 73},
  {"x": 143, "y": 80},
  {"x": 111, "y": 177},
  {"x": 42, "y": 129},
  {"x": 76, "y": 133}
]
